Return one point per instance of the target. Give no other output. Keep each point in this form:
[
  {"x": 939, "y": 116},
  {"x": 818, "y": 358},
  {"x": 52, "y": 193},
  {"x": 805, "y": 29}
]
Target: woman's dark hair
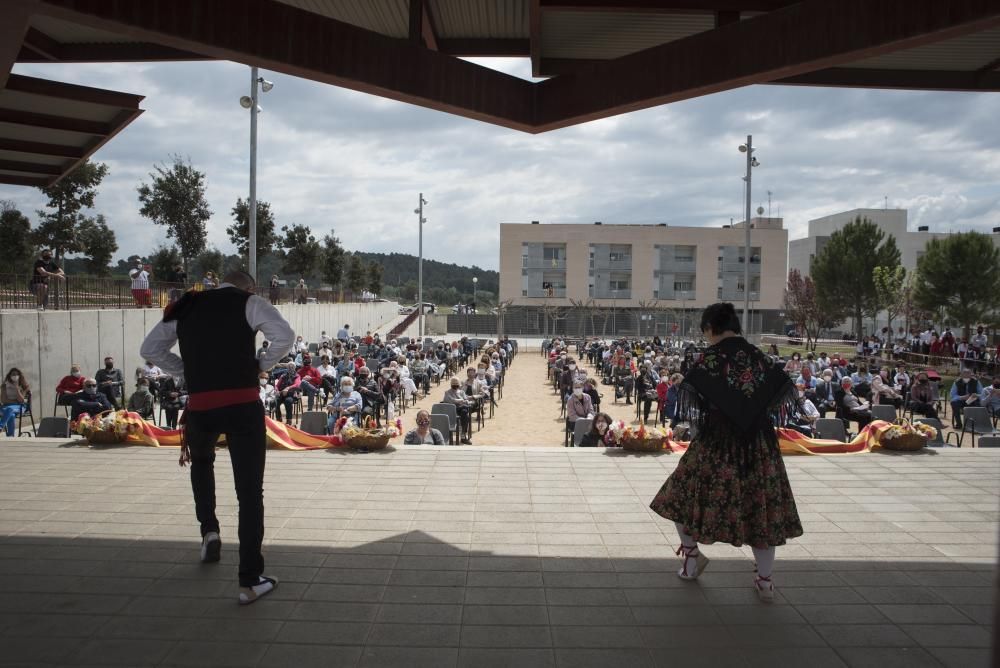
[
  {"x": 593, "y": 423},
  {"x": 21, "y": 381},
  {"x": 719, "y": 318}
]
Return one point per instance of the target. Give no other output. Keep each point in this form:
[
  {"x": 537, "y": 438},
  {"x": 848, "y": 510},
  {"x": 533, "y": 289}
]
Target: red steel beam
[
  {"x": 300, "y": 43},
  {"x": 860, "y": 77},
  {"x": 805, "y": 37}
]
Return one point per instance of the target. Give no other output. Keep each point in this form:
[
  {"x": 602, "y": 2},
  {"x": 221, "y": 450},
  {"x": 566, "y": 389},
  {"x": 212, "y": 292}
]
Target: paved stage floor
[{"x": 488, "y": 557}]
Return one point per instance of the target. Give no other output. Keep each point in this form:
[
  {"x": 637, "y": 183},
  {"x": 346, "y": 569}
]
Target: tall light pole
[
  {"x": 475, "y": 279},
  {"x": 751, "y": 163},
  {"x": 250, "y": 102},
  {"x": 420, "y": 265}
]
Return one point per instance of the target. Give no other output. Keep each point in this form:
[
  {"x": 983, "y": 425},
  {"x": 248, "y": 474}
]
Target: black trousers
[{"x": 243, "y": 426}]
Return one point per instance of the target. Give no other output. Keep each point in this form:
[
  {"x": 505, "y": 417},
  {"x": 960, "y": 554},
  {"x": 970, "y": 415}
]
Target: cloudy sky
[{"x": 339, "y": 160}]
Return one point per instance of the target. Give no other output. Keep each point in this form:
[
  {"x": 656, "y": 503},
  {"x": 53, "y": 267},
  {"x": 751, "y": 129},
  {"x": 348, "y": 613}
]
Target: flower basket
[
  {"x": 367, "y": 436},
  {"x": 639, "y": 439},
  {"x": 906, "y": 437},
  {"x": 107, "y": 428}
]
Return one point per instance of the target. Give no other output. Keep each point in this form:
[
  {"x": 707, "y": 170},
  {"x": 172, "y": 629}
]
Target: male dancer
[{"x": 216, "y": 331}]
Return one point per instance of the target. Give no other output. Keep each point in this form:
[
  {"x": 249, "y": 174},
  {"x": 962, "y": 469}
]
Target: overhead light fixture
[
  {"x": 266, "y": 85},
  {"x": 246, "y": 102},
  {"x": 743, "y": 148}
]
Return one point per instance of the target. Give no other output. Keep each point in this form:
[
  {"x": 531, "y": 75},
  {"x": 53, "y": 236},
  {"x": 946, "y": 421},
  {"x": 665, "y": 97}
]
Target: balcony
[
  {"x": 541, "y": 263},
  {"x": 737, "y": 295},
  {"x": 545, "y": 294},
  {"x": 738, "y": 267},
  {"x": 611, "y": 265},
  {"x": 679, "y": 266}
]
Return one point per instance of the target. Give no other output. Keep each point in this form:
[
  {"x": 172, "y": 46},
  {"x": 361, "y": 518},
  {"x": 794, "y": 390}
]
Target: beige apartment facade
[{"x": 633, "y": 266}]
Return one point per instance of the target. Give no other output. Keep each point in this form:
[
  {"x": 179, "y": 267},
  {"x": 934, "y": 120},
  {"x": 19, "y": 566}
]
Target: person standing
[
  {"x": 215, "y": 331},
  {"x": 731, "y": 485},
  {"x": 140, "y": 285},
  {"x": 43, "y": 270},
  {"x": 274, "y": 289}
]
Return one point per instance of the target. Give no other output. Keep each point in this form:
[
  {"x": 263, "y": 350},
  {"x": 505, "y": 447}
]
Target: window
[
  {"x": 618, "y": 285},
  {"x": 620, "y": 253},
  {"x": 683, "y": 286}
]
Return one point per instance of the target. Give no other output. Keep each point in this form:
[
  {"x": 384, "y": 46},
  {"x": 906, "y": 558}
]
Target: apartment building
[{"x": 633, "y": 266}]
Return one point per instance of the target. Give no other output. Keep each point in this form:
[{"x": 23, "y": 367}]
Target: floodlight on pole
[
  {"x": 751, "y": 163},
  {"x": 250, "y": 102}
]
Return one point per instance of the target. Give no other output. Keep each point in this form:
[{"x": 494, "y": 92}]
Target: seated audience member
[
  {"x": 862, "y": 382},
  {"x": 901, "y": 381},
  {"x": 310, "y": 380},
  {"x": 476, "y": 388},
  {"x": 598, "y": 436},
  {"x": 590, "y": 389},
  {"x": 624, "y": 382},
  {"x": 420, "y": 373},
  {"x": 173, "y": 398},
  {"x": 793, "y": 367},
  {"x": 668, "y": 410},
  {"x": 268, "y": 396},
  {"x": 110, "y": 381},
  {"x": 991, "y": 397},
  {"x": 854, "y": 408},
  {"x": 371, "y": 394},
  {"x": 882, "y": 390},
  {"x": 645, "y": 391},
  {"x": 456, "y": 396},
  {"x": 141, "y": 401},
  {"x": 578, "y": 405},
  {"x": 90, "y": 401},
  {"x": 152, "y": 374},
  {"x": 423, "y": 433},
  {"x": 825, "y": 393},
  {"x": 328, "y": 375},
  {"x": 69, "y": 386},
  {"x": 805, "y": 421},
  {"x": 346, "y": 403},
  {"x": 965, "y": 391},
  {"x": 287, "y": 392},
  {"x": 922, "y": 397},
  {"x": 14, "y": 395}
]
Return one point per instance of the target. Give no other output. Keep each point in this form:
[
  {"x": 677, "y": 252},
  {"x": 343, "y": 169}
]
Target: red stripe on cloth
[{"x": 206, "y": 401}]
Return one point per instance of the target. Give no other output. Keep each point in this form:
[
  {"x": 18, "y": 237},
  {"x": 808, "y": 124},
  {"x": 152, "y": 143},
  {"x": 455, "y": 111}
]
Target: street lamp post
[
  {"x": 420, "y": 265},
  {"x": 751, "y": 163},
  {"x": 250, "y": 102},
  {"x": 475, "y": 279}
]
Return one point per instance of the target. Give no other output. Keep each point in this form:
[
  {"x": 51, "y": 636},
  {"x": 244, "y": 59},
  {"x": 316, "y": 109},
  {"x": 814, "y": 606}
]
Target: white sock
[
  {"x": 765, "y": 561},
  {"x": 686, "y": 540}
]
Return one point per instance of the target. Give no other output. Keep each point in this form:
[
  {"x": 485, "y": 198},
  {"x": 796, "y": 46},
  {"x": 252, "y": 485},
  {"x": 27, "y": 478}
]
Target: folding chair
[
  {"x": 451, "y": 411},
  {"x": 885, "y": 412},
  {"x": 989, "y": 442},
  {"x": 939, "y": 440},
  {"x": 31, "y": 416},
  {"x": 441, "y": 423},
  {"x": 831, "y": 428},
  {"x": 53, "y": 427},
  {"x": 313, "y": 422},
  {"x": 976, "y": 421},
  {"x": 55, "y": 406},
  {"x": 580, "y": 429}
]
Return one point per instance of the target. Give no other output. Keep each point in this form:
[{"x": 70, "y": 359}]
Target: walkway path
[{"x": 528, "y": 413}]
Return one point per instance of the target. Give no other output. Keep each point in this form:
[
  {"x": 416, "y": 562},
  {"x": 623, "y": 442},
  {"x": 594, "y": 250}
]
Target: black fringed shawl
[{"x": 734, "y": 396}]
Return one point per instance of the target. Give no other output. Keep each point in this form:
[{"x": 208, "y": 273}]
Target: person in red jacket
[
  {"x": 310, "y": 380},
  {"x": 70, "y": 386}
]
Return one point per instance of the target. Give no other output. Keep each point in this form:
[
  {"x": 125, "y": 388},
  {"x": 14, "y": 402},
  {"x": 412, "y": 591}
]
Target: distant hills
[{"x": 443, "y": 281}]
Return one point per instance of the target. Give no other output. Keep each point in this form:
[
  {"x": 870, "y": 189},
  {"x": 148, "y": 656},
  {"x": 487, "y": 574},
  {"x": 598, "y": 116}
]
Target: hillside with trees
[{"x": 444, "y": 283}]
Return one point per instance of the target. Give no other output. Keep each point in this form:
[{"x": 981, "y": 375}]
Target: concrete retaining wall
[{"x": 43, "y": 345}]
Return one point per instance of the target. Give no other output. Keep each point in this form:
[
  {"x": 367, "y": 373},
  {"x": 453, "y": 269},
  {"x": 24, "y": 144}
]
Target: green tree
[
  {"x": 163, "y": 260},
  {"x": 355, "y": 275},
  {"x": 960, "y": 274},
  {"x": 374, "y": 278},
  {"x": 843, "y": 270},
  {"x": 301, "y": 250},
  {"x": 332, "y": 261},
  {"x": 59, "y": 226},
  {"x": 890, "y": 285},
  {"x": 97, "y": 242},
  {"x": 176, "y": 200},
  {"x": 239, "y": 231},
  {"x": 15, "y": 239}
]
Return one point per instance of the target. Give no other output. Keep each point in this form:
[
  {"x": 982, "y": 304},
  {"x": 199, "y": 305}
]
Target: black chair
[
  {"x": 976, "y": 420},
  {"x": 938, "y": 440},
  {"x": 314, "y": 422},
  {"x": 885, "y": 412},
  {"x": 53, "y": 427},
  {"x": 26, "y": 410},
  {"x": 580, "y": 429}
]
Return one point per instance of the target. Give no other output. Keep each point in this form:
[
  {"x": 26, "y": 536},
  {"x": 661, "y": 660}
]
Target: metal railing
[{"x": 83, "y": 292}]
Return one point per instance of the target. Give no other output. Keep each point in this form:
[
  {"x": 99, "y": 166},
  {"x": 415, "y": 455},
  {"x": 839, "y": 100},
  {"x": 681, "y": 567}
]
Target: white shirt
[
  {"x": 808, "y": 409},
  {"x": 261, "y": 316},
  {"x": 327, "y": 370},
  {"x": 140, "y": 279}
]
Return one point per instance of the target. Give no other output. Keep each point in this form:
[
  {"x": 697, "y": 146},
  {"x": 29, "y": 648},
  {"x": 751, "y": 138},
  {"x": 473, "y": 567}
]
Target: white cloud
[{"x": 339, "y": 160}]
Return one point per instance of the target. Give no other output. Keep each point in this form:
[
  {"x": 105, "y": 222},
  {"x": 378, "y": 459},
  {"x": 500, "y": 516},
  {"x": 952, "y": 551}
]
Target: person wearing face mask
[
  {"x": 567, "y": 377},
  {"x": 807, "y": 414},
  {"x": 110, "y": 381},
  {"x": 598, "y": 435},
  {"x": 645, "y": 391},
  {"x": 793, "y": 367},
  {"x": 14, "y": 396},
  {"x": 922, "y": 395},
  {"x": 90, "y": 401},
  {"x": 990, "y": 397},
  {"x": 310, "y": 380},
  {"x": 172, "y": 399},
  {"x": 965, "y": 391},
  {"x": 69, "y": 386},
  {"x": 141, "y": 401},
  {"x": 456, "y": 396},
  {"x": 420, "y": 373},
  {"x": 347, "y": 403},
  {"x": 371, "y": 393},
  {"x": 43, "y": 270},
  {"x": 287, "y": 392},
  {"x": 578, "y": 406},
  {"x": 423, "y": 433}
]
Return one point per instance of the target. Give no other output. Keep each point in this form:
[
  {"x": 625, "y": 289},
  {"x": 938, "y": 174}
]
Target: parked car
[{"x": 428, "y": 308}]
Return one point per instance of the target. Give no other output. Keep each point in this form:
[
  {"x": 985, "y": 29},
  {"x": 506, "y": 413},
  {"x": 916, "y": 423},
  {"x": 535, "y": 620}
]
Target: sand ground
[{"x": 528, "y": 413}]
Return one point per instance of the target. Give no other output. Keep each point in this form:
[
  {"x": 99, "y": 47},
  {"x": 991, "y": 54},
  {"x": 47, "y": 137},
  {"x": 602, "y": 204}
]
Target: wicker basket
[
  {"x": 905, "y": 443},
  {"x": 100, "y": 437},
  {"x": 369, "y": 441},
  {"x": 643, "y": 444}
]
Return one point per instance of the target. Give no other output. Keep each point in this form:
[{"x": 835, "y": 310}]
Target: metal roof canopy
[
  {"x": 47, "y": 128},
  {"x": 605, "y": 57}
]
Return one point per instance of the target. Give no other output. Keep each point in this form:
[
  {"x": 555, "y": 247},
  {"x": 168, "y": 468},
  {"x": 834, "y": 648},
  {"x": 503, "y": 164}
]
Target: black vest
[
  {"x": 216, "y": 342},
  {"x": 964, "y": 388}
]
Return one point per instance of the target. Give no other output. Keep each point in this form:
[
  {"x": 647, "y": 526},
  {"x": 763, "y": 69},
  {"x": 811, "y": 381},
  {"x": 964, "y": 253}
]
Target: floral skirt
[{"x": 716, "y": 500}]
